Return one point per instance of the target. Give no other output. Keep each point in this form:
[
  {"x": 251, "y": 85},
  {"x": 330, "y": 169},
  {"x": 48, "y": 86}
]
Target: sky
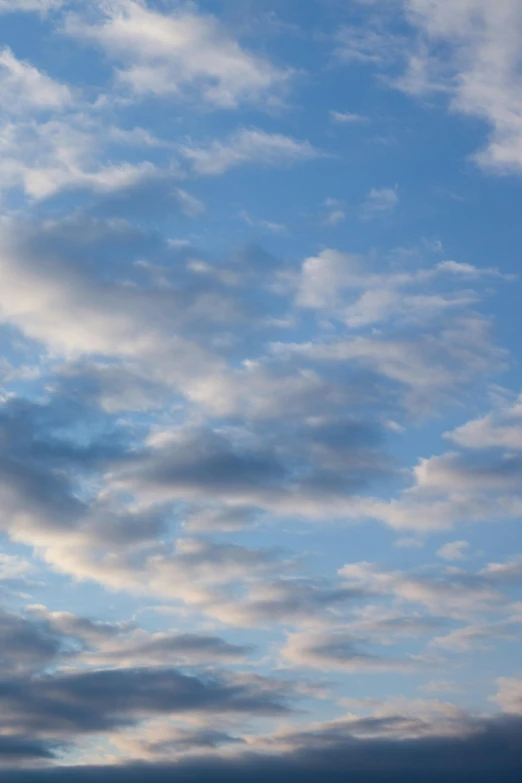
[{"x": 260, "y": 391}]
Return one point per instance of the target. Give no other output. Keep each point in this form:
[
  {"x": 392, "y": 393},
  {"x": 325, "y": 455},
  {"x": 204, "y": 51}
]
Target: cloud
[
  {"x": 15, "y": 572},
  {"x": 43, "y": 715},
  {"x": 453, "y": 593},
  {"x": 26, "y": 751},
  {"x": 268, "y": 225},
  {"x": 124, "y": 645},
  {"x": 457, "y": 488},
  {"x": 509, "y": 696},
  {"x": 247, "y": 146},
  {"x": 336, "y": 650},
  {"x": 509, "y": 572},
  {"x": 348, "y": 287},
  {"x": 23, "y": 87},
  {"x": 364, "y": 45},
  {"x": 115, "y": 676},
  {"x": 465, "y": 50},
  {"x": 482, "y": 45},
  {"x": 293, "y": 601},
  {"x": 181, "y": 54},
  {"x": 135, "y": 339},
  {"x": 335, "y": 212},
  {"x": 478, "y": 748},
  {"x": 43, "y": 159},
  {"x": 164, "y": 742},
  {"x": 400, "y": 718},
  {"x": 454, "y": 550},
  {"x": 103, "y": 700},
  {"x": 379, "y": 201},
  {"x": 482, "y": 636},
  {"x": 501, "y": 429},
  {"x": 122, "y": 329},
  {"x": 164, "y": 648},
  {"x": 24, "y": 645},
  {"x": 427, "y": 367},
  {"x": 170, "y": 408},
  {"x": 347, "y": 118},
  {"x": 42, "y": 6}
]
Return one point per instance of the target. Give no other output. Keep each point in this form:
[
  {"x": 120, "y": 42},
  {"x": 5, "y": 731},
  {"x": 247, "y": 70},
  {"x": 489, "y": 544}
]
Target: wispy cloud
[
  {"x": 179, "y": 54},
  {"x": 247, "y": 146}
]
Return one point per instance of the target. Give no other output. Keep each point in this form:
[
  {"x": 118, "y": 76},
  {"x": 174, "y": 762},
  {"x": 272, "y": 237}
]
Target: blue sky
[{"x": 260, "y": 416}]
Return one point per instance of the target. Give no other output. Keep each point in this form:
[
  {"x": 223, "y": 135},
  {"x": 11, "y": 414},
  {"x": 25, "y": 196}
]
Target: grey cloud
[
  {"x": 26, "y": 750},
  {"x": 185, "y": 740},
  {"x": 212, "y": 519},
  {"x": 490, "y": 749},
  {"x": 509, "y": 572},
  {"x": 318, "y": 465},
  {"x": 456, "y": 487},
  {"x": 43, "y": 715},
  {"x": 45, "y": 708},
  {"x": 481, "y": 636},
  {"x": 67, "y": 624},
  {"x": 430, "y": 367},
  {"x": 42, "y": 639},
  {"x": 293, "y": 439},
  {"x": 26, "y": 645},
  {"x": 170, "y": 648},
  {"x": 68, "y": 705},
  {"x": 204, "y": 461},
  {"x": 452, "y": 593},
  {"x": 291, "y": 601},
  {"x": 337, "y": 649}
]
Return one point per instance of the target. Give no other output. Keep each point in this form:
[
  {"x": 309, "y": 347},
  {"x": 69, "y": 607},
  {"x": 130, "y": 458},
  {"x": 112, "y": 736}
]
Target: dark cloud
[
  {"x": 103, "y": 700},
  {"x": 26, "y": 645},
  {"x": 273, "y": 469},
  {"x": 25, "y": 749},
  {"x": 490, "y": 751}
]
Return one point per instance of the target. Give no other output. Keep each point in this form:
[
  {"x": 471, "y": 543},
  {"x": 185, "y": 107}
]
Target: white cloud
[
  {"x": 60, "y": 154},
  {"x": 509, "y": 695},
  {"x": 481, "y": 635},
  {"x": 336, "y": 650},
  {"x": 360, "y": 45},
  {"x": 247, "y": 146},
  {"x": 347, "y": 118},
  {"x": 450, "y": 489},
  {"x": 506, "y": 573},
  {"x": 323, "y": 278},
  {"x": 14, "y": 568},
  {"x": 42, "y": 6},
  {"x": 502, "y": 428},
  {"x": 267, "y": 225},
  {"x": 189, "y": 205},
  {"x": 23, "y": 87},
  {"x": 455, "y": 550},
  {"x": 427, "y": 367},
  {"x": 174, "y": 54},
  {"x": 72, "y": 313},
  {"x": 479, "y": 67},
  {"x": 379, "y": 201},
  {"x": 468, "y": 51},
  {"x": 451, "y": 593}
]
